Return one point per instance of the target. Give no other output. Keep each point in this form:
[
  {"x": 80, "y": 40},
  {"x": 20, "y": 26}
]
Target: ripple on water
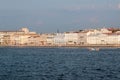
[{"x": 59, "y": 64}]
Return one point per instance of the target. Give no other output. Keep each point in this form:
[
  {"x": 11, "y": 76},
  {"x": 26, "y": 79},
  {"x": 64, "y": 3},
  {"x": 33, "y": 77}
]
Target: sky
[{"x": 46, "y": 16}]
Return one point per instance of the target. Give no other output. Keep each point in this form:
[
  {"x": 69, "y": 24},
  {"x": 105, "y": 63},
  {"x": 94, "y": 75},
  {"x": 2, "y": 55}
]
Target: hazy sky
[{"x": 65, "y": 15}]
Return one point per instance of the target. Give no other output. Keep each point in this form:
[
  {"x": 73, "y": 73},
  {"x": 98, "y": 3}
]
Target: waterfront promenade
[{"x": 65, "y": 46}]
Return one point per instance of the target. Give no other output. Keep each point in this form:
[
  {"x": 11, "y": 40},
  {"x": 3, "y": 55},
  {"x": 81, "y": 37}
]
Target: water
[{"x": 59, "y": 64}]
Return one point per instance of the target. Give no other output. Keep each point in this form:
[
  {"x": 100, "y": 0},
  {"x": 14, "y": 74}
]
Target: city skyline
[{"x": 64, "y": 15}]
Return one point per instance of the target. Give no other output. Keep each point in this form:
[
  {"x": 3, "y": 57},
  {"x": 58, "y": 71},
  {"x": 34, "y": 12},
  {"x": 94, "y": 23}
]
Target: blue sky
[{"x": 65, "y": 15}]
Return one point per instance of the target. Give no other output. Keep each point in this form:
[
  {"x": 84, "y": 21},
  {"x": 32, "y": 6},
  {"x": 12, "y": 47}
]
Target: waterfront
[
  {"x": 104, "y": 37},
  {"x": 59, "y": 64}
]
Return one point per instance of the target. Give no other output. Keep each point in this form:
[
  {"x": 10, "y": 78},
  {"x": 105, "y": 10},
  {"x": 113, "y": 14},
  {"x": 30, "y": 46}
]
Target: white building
[
  {"x": 112, "y": 39},
  {"x": 97, "y": 39},
  {"x": 71, "y": 38},
  {"x": 82, "y": 38},
  {"x": 59, "y": 39},
  {"x": 118, "y": 39},
  {"x": 103, "y": 39}
]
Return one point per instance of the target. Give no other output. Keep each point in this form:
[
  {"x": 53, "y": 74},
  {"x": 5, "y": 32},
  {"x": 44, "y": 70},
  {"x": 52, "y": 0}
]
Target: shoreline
[{"x": 62, "y": 46}]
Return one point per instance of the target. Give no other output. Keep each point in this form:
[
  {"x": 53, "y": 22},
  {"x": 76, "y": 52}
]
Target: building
[
  {"x": 43, "y": 39},
  {"x": 71, "y": 38},
  {"x": 50, "y": 39},
  {"x": 59, "y": 39},
  {"x": 112, "y": 39},
  {"x": 104, "y": 39},
  {"x": 25, "y": 37},
  {"x": 33, "y": 40},
  {"x": 82, "y": 38},
  {"x": 19, "y": 37},
  {"x": 97, "y": 39}
]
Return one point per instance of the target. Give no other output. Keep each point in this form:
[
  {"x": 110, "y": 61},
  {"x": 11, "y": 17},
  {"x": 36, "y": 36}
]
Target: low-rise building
[
  {"x": 97, "y": 39},
  {"x": 71, "y": 38},
  {"x": 103, "y": 39},
  {"x": 23, "y": 36},
  {"x": 82, "y": 38},
  {"x": 43, "y": 39},
  {"x": 112, "y": 39},
  {"x": 34, "y": 40},
  {"x": 19, "y": 37},
  {"x": 59, "y": 39},
  {"x": 50, "y": 39},
  {"x": 1, "y": 39}
]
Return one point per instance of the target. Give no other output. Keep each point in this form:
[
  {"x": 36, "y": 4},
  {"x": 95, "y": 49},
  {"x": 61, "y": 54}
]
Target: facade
[
  {"x": 59, "y": 39},
  {"x": 11, "y": 38},
  {"x": 89, "y": 37},
  {"x": 118, "y": 39},
  {"x": 34, "y": 40},
  {"x": 22, "y": 39},
  {"x": 71, "y": 38},
  {"x": 5, "y": 38},
  {"x": 112, "y": 39},
  {"x": 43, "y": 39},
  {"x": 97, "y": 39},
  {"x": 104, "y": 39},
  {"x": 50, "y": 39},
  {"x": 1, "y": 39},
  {"x": 82, "y": 38}
]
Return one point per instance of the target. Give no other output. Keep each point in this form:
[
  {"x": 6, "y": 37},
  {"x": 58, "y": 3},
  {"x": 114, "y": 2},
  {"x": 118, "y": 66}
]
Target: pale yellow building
[
  {"x": 50, "y": 39},
  {"x": 43, "y": 39}
]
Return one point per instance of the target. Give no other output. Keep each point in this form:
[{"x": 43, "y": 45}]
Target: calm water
[{"x": 59, "y": 64}]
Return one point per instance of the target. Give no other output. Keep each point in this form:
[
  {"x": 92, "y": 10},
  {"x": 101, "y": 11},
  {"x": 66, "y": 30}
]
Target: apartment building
[
  {"x": 59, "y": 39},
  {"x": 71, "y": 38}
]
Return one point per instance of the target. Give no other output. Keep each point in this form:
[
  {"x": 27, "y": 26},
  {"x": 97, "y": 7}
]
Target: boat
[{"x": 94, "y": 49}]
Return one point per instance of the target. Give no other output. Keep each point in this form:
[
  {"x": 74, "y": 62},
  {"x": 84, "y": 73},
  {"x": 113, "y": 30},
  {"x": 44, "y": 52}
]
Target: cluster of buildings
[{"x": 23, "y": 37}]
